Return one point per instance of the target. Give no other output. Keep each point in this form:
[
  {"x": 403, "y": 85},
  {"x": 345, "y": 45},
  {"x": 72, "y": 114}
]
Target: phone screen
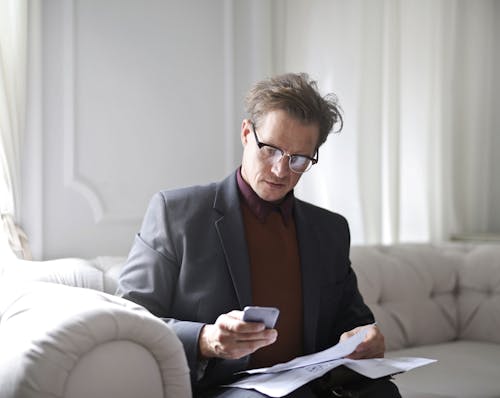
[{"x": 267, "y": 315}]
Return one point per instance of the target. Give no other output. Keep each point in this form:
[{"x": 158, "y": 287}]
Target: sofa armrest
[{"x": 63, "y": 341}]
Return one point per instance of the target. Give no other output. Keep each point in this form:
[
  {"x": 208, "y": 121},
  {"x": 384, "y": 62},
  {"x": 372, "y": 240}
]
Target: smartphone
[{"x": 267, "y": 315}]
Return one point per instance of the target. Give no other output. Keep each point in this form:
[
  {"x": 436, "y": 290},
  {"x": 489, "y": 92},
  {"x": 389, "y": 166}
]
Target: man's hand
[
  {"x": 232, "y": 338},
  {"x": 373, "y": 346}
]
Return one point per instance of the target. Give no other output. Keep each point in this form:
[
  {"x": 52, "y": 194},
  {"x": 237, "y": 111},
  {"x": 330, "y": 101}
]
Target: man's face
[{"x": 273, "y": 181}]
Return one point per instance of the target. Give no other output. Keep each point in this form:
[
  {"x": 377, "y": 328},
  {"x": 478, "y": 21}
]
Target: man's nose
[{"x": 280, "y": 167}]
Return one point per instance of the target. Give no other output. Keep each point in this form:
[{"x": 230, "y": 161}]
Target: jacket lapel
[
  {"x": 311, "y": 274},
  {"x": 229, "y": 226}
]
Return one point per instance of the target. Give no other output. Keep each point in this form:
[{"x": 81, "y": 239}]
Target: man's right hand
[{"x": 232, "y": 338}]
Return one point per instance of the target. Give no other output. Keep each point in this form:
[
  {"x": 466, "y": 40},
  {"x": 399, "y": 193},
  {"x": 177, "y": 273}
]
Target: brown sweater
[{"x": 276, "y": 281}]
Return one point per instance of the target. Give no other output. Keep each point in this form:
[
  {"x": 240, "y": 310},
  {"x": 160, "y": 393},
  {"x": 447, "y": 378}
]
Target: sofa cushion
[
  {"x": 465, "y": 369},
  {"x": 110, "y": 266}
]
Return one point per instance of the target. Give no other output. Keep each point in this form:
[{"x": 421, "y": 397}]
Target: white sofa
[
  {"x": 435, "y": 301},
  {"x": 64, "y": 334}
]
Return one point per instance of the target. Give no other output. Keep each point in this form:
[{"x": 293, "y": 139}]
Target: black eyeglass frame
[{"x": 260, "y": 144}]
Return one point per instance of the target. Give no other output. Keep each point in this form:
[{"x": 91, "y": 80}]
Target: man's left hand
[{"x": 373, "y": 346}]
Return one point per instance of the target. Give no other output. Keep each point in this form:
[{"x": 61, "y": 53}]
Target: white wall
[
  {"x": 495, "y": 147},
  {"x": 126, "y": 98},
  {"x": 133, "y": 97},
  {"x": 129, "y": 97}
]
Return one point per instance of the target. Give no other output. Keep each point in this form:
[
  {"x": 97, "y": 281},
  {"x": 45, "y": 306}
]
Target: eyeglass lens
[{"x": 296, "y": 163}]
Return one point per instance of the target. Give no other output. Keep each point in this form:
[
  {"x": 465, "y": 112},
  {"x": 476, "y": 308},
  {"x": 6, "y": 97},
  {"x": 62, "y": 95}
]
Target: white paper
[
  {"x": 340, "y": 350},
  {"x": 380, "y": 367},
  {"x": 283, "y": 383},
  {"x": 280, "y": 380}
]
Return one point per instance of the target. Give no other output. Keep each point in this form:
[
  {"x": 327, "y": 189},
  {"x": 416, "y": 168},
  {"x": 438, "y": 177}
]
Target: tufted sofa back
[
  {"x": 419, "y": 293},
  {"x": 100, "y": 273},
  {"x": 428, "y": 294}
]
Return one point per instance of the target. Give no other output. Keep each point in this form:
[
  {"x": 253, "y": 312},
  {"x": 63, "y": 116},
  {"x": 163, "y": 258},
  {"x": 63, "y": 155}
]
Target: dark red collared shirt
[
  {"x": 260, "y": 207},
  {"x": 274, "y": 270}
]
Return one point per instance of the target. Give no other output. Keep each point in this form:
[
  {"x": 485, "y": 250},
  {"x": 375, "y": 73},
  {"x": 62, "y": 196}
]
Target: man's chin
[{"x": 272, "y": 196}]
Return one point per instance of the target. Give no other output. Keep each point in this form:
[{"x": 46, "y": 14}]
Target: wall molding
[{"x": 72, "y": 179}]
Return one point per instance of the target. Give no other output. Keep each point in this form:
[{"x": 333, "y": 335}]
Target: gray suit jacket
[{"x": 189, "y": 264}]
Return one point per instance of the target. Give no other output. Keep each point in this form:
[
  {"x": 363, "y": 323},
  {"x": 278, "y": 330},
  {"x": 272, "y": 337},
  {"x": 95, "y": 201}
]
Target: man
[{"x": 204, "y": 253}]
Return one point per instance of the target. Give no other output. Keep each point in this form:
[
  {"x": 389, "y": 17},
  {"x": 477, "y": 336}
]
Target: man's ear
[{"x": 246, "y": 129}]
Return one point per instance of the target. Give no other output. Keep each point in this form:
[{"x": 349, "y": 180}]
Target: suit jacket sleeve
[
  {"x": 151, "y": 272},
  {"x": 174, "y": 267}
]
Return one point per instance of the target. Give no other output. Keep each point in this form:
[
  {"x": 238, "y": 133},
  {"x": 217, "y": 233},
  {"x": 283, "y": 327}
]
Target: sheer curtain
[
  {"x": 412, "y": 77},
  {"x": 13, "y": 55}
]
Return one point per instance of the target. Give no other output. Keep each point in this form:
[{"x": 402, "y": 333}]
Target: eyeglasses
[{"x": 272, "y": 155}]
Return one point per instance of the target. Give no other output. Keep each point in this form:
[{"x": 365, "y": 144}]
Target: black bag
[{"x": 344, "y": 382}]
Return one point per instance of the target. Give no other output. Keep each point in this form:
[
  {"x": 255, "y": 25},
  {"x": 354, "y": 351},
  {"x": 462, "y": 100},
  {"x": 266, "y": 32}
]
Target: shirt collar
[{"x": 261, "y": 208}]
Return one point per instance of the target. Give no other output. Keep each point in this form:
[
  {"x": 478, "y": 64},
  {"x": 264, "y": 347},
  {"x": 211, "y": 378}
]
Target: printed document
[{"x": 281, "y": 379}]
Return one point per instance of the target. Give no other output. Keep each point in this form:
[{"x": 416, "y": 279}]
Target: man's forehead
[
  {"x": 281, "y": 129},
  {"x": 282, "y": 116}
]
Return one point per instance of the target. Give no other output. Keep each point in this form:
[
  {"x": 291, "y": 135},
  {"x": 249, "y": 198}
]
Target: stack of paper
[{"x": 283, "y": 378}]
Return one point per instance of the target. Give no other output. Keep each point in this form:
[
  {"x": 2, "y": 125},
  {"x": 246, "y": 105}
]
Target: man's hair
[{"x": 298, "y": 95}]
